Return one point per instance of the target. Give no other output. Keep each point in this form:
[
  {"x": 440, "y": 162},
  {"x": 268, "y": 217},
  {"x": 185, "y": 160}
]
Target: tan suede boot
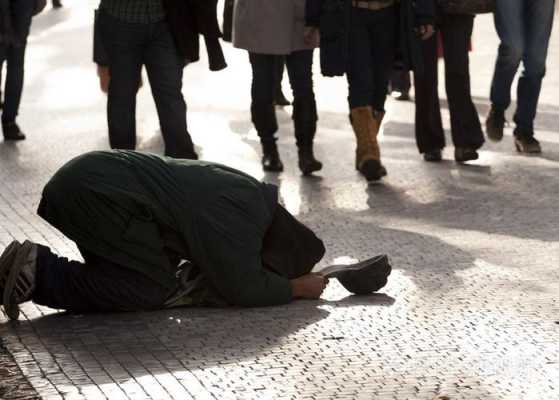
[{"x": 366, "y": 125}]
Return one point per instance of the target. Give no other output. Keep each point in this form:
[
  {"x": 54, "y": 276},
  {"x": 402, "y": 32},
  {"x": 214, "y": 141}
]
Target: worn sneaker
[
  {"x": 17, "y": 276},
  {"x": 527, "y": 144},
  {"x": 495, "y": 124}
]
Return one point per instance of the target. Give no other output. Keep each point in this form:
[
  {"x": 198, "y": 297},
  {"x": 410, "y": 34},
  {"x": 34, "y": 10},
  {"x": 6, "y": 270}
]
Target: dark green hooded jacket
[{"x": 135, "y": 209}]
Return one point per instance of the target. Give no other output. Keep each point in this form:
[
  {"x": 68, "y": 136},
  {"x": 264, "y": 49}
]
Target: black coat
[
  {"x": 188, "y": 19},
  {"x": 333, "y": 17}
]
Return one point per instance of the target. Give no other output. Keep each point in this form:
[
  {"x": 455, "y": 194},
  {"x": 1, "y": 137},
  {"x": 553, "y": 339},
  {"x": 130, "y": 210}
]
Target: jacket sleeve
[
  {"x": 425, "y": 11},
  {"x": 226, "y": 244},
  {"x": 312, "y": 12}
]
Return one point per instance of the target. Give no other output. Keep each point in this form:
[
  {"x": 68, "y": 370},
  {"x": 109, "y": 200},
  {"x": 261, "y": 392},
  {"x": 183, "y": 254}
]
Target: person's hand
[
  {"x": 312, "y": 36},
  {"x": 104, "y": 77},
  {"x": 425, "y": 31},
  {"x": 308, "y": 286}
]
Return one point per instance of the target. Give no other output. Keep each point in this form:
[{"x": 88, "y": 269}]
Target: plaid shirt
[{"x": 136, "y": 11}]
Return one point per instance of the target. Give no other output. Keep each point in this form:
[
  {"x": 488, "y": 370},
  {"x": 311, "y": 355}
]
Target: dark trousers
[
  {"x": 14, "y": 55},
  {"x": 265, "y": 77},
  {"x": 456, "y": 32},
  {"x": 371, "y": 54},
  {"x": 93, "y": 286},
  {"x": 524, "y": 27},
  {"x": 129, "y": 46},
  {"x": 289, "y": 248}
]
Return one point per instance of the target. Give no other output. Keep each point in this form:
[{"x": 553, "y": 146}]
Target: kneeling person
[{"x": 135, "y": 217}]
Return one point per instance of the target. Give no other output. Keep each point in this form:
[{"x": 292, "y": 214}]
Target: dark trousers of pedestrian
[
  {"x": 14, "y": 56},
  {"x": 129, "y": 47},
  {"x": 290, "y": 249},
  {"x": 456, "y": 32},
  {"x": 265, "y": 77},
  {"x": 524, "y": 27},
  {"x": 372, "y": 41}
]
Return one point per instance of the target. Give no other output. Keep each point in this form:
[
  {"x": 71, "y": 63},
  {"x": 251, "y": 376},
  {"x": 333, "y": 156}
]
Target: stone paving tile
[{"x": 470, "y": 311}]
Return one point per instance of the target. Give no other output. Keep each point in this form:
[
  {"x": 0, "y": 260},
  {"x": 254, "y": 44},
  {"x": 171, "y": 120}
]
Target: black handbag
[
  {"x": 467, "y": 7},
  {"x": 39, "y": 6}
]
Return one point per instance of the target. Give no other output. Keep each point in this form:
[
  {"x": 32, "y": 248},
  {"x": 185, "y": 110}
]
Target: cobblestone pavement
[{"x": 470, "y": 311}]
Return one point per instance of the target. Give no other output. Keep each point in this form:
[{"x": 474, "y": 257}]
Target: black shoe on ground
[
  {"x": 527, "y": 144},
  {"x": 307, "y": 163},
  {"x": 17, "y": 276},
  {"x": 433, "y": 156},
  {"x": 495, "y": 124},
  {"x": 56, "y": 4},
  {"x": 281, "y": 100},
  {"x": 400, "y": 96},
  {"x": 373, "y": 170},
  {"x": 11, "y": 131},
  {"x": 361, "y": 278},
  {"x": 463, "y": 154},
  {"x": 271, "y": 161}
]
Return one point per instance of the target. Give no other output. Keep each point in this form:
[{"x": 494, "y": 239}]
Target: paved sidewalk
[{"x": 470, "y": 311}]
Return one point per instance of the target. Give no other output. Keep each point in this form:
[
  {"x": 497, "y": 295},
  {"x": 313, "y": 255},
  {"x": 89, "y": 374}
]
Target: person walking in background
[
  {"x": 455, "y": 32},
  {"x": 16, "y": 21},
  {"x": 400, "y": 81},
  {"x": 154, "y": 33},
  {"x": 524, "y": 28},
  {"x": 358, "y": 38},
  {"x": 273, "y": 32}
]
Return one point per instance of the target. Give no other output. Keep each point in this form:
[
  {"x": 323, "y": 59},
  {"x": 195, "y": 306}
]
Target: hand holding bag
[{"x": 467, "y": 7}]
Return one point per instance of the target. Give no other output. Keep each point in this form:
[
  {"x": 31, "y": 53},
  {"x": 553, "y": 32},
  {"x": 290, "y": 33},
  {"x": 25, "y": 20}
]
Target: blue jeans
[
  {"x": 524, "y": 27},
  {"x": 130, "y": 46},
  {"x": 22, "y": 12}
]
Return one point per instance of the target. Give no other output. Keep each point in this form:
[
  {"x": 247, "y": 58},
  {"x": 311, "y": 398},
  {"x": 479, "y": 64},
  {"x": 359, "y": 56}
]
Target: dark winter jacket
[
  {"x": 136, "y": 209},
  {"x": 188, "y": 19},
  {"x": 333, "y": 17}
]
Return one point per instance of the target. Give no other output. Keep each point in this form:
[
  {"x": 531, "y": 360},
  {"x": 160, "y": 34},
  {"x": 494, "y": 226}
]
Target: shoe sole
[
  {"x": 23, "y": 257},
  {"x": 7, "y": 260}
]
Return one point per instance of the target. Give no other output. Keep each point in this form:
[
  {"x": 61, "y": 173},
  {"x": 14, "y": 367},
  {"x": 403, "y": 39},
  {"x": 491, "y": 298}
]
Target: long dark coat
[
  {"x": 136, "y": 209},
  {"x": 190, "y": 19},
  {"x": 334, "y": 19}
]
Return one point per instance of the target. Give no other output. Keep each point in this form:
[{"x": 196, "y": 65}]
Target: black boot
[
  {"x": 307, "y": 163},
  {"x": 56, "y": 4},
  {"x": 304, "y": 118},
  {"x": 12, "y": 132},
  {"x": 271, "y": 161},
  {"x": 266, "y": 124}
]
